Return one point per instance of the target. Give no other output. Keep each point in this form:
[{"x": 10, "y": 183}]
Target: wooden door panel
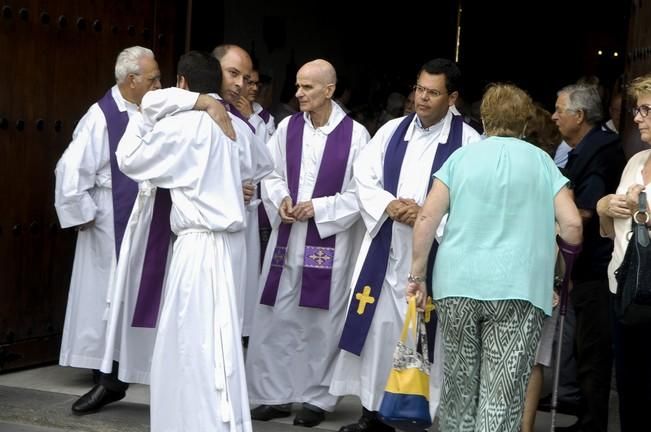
[{"x": 57, "y": 59}]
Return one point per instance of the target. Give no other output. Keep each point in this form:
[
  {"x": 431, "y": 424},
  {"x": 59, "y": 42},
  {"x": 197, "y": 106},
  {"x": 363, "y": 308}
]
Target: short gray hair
[
  {"x": 585, "y": 98},
  {"x": 128, "y": 62}
]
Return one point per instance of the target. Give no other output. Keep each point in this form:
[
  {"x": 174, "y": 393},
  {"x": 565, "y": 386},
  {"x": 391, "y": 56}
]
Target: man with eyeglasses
[
  {"x": 594, "y": 166},
  {"x": 253, "y": 86},
  {"x": 393, "y": 177},
  {"x": 95, "y": 198}
]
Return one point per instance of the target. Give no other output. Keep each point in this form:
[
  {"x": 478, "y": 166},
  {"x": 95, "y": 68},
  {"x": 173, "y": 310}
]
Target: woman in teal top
[{"x": 494, "y": 270}]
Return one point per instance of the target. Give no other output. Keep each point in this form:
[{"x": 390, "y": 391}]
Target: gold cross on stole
[{"x": 364, "y": 298}]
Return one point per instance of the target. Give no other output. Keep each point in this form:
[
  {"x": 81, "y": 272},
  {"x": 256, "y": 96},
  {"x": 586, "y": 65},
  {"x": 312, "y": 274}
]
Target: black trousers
[
  {"x": 633, "y": 373},
  {"x": 111, "y": 381},
  {"x": 593, "y": 350}
]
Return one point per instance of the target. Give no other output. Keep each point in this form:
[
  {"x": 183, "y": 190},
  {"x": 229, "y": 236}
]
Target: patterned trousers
[{"x": 489, "y": 352}]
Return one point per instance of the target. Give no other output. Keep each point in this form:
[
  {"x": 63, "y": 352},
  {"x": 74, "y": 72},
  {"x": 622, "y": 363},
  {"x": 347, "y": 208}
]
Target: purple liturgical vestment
[
  {"x": 124, "y": 191},
  {"x": 319, "y": 253}
]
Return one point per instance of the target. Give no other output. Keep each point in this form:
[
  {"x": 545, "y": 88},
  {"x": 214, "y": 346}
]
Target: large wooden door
[{"x": 56, "y": 59}]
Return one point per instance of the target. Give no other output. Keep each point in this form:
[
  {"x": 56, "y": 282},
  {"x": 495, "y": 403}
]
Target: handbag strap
[
  {"x": 416, "y": 321},
  {"x": 640, "y": 219},
  {"x": 422, "y": 333},
  {"x": 410, "y": 320}
]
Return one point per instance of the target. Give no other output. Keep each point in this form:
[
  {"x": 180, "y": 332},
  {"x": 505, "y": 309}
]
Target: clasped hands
[
  {"x": 620, "y": 206},
  {"x": 292, "y": 213},
  {"x": 403, "y": 210}
]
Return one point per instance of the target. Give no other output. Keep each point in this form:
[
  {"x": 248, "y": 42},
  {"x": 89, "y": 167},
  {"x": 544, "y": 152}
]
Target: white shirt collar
[
  {"x": 442, "y": 128},
  {"x": 336, "y": 116},
  {"x": 122, "y": 104}
]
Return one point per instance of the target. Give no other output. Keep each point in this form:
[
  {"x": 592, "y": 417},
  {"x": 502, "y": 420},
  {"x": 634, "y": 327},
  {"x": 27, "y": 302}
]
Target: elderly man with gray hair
[
  {"x": 594, "y": 167},
  {"x": 95, "y": 198}
]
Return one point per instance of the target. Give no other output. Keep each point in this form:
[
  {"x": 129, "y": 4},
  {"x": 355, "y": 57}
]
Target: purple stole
[
  {"x": 264, "y": 115},
  {"x": 231, "y": 109},
  {"x": 319, "y": 253},
  {"x": 368, "y": 286},
  {"x": 124, "y": 191}
]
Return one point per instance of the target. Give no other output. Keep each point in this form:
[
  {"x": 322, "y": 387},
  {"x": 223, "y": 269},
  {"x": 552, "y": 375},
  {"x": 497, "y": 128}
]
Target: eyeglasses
[
  {"x": 642, "y": 110},
  {"x": 419, "y": 89}
]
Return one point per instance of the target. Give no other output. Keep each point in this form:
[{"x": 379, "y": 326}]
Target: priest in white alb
[
  {"x": 393, "y": 176},
  {"x": 311, "y": 202},
  {"x": 197, "y": 376}
]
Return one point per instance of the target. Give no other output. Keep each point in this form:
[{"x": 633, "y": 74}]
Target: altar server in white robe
[
  {"x": 197, "y": 378},
  {"x": 310, "y": 198},
  {"x": 87, "y": 186},
  {"x": 136, "y": 286},
  {"x": 393, "y": 176}
]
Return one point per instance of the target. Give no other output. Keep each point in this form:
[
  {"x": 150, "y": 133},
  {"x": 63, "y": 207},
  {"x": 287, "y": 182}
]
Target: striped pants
[{"x": 489, "y": 352}]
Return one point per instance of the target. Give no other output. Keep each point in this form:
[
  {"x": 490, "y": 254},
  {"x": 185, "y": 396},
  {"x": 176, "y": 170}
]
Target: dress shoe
[
  {"x": 308, "y": 418},
  {"x": 268, "y": 412},
  {"x": 95, "y": 399},
  {"x": 366, "y": 424}
]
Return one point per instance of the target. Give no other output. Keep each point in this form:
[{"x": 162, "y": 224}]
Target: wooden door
[{"x": 56, "y": 58}]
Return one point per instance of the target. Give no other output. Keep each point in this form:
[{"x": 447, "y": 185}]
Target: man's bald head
[
  {"x": 315, "y": 85},
  {"x": 321, "y": 70}
]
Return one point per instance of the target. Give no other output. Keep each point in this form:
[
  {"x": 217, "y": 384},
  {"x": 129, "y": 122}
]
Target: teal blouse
[{"x": 499, "y": 241}]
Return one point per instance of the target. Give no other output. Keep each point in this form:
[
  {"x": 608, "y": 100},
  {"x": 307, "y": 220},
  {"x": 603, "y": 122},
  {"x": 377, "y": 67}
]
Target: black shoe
[
  {"x": 367, "y": 424},
  {"x": 95, "y": 399},
  {"x": 308, "y": 418},
  {"x": 268, "y": 412},
  {"x": 545, "y": 404}
]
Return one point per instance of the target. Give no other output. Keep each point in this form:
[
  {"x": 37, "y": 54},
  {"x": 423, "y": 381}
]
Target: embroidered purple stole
[
  {"x": 368, "y": 286},
  {"x": 319, "y": 253},
  {"x": 124, "y": 191}
]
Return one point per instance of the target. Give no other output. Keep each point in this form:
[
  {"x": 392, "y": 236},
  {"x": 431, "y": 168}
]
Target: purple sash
[
  {"x": 124, "y": 191},
  {"x": 147, "y": 307},
  {"x": 231, "y": 109},
  {"x": 319, "y": 253},
  {"x": 265, "y": 115},
  {"x": 368, "y": 286}
]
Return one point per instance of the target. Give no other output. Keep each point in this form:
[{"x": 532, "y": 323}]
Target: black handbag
[{"x": 633, "y": 298}]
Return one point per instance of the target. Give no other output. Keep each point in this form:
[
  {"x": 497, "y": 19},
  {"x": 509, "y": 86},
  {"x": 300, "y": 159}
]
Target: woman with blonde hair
[
  {"x": 632, "y": 348},
  {"x": 494, "y": 270}
]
